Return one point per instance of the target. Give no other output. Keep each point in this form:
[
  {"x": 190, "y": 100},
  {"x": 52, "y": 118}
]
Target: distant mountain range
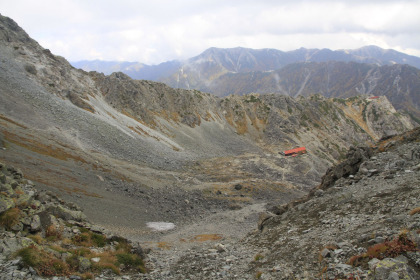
[
  {"x": 215, "y": 62},
  {"x": 368, "y": 70},
  {"x": 135, "y": 70}
]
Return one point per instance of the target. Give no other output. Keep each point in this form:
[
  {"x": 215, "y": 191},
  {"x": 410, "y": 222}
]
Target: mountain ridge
[
  {"x": 367, "y": 54},
  {"x": 243, "y": 70}
]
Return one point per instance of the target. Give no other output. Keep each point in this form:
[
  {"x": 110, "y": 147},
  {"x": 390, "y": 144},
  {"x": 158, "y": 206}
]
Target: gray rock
[
  {"x": 47, "y": 220},
  {"x": 67, "y": 214},
  {"x": 17, "y": 227},
  {"x": 2, "y": 178},
  {"x": 263, "y": 218},
  {"x": 319, "y": 193},
  {"x": 372, "y": 263},
  {"x": 220, "y": 248},
  {"x": 35, "y": 223},
  {"x": 379, "y": 239},
  {"x": 392, "y": 268},
  {"x": 96, "y": 260},
  {"x": 326, "y": 253},
  {"x": 6, "y": 203},
  {"x": 238, "y": 187},
  {"x": 278, "y": 210},
  {"x": 393, "y": 276},
  {"x": 9, "y": 245},
  {"x": 84, "y": 264}
]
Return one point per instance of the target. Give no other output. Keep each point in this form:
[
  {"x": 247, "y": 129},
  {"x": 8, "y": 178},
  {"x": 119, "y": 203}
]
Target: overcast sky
[{"x": 154, "y": 31}]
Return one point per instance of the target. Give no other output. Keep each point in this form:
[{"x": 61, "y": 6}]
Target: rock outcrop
[{"x": 43, "y": 236}]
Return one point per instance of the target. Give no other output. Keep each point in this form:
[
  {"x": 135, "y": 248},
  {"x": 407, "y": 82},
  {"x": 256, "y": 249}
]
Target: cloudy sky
[{"x": 154, "y": 31}]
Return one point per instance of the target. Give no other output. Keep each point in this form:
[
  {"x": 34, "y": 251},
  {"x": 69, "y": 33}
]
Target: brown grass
[
  {"x": 41, "y": 148},
  {"x": 111, "y": 115},
  {"x": 37, "y": 239},
  {"x": 258, "y": 257},
  {"x": 415, "y": 211},
  {"x": 107, "y": 261},
  {"x": 208, "y": 117},
  {"x": 242, "y": 126},
  {"x": 387, "y": 249},
  {"x": 43, "y": 262},
  {"x": 164, "y": 245},
  {"x": 206, "y": 237},
  {"x": 12, "y": 121},
  {"x": 151, "y": 124},
  {"x": 52, "y": 233},
  {"x": 59, "y": 185}
]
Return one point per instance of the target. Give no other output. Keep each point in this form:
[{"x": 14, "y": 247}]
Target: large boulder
[
  {"x": 35, "y": 224},
  {"x": 11, "y": 244},
  {"x": 393, "y": 269},
  {"x": 66, "y": 214},
  {"x": 6, "y": 203},
  {"x": 350, "y": 166},
  {"x": 263, "y": 218}
]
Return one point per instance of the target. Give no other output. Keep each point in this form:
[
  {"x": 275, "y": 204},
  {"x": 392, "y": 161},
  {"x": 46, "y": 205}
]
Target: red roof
[
  {"x": 295, "y": 151},
  {"x": 373, "y": 97}
]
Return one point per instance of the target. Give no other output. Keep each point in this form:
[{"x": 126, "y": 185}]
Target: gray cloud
[{"x": 160, "y": 30}]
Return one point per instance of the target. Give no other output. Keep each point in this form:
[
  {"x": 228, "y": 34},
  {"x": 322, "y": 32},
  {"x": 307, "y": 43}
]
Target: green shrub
[
  {"x": 98, "y": 239},
  {"x": 29, "y": 256},
  {"x": 258, "y": 257},
  {"x": 44, "y": 263},
  {"x": 10, "y": 218},
  {"x": 131, "y": 261},
  {"x": 73, "y": 262}
]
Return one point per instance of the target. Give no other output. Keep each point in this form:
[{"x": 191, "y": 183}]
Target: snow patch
[{"x": 160, "y": 226}]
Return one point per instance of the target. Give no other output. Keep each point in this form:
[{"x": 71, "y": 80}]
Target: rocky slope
[
  {"x": 361, "y": 222},
  {"x": 110, "y": 142}
]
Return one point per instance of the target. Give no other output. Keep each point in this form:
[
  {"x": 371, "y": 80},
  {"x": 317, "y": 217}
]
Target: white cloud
[{"x": 160, "y": 30}]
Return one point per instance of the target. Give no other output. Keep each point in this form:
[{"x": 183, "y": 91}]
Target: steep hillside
[{"x": 131, "y": 152}]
